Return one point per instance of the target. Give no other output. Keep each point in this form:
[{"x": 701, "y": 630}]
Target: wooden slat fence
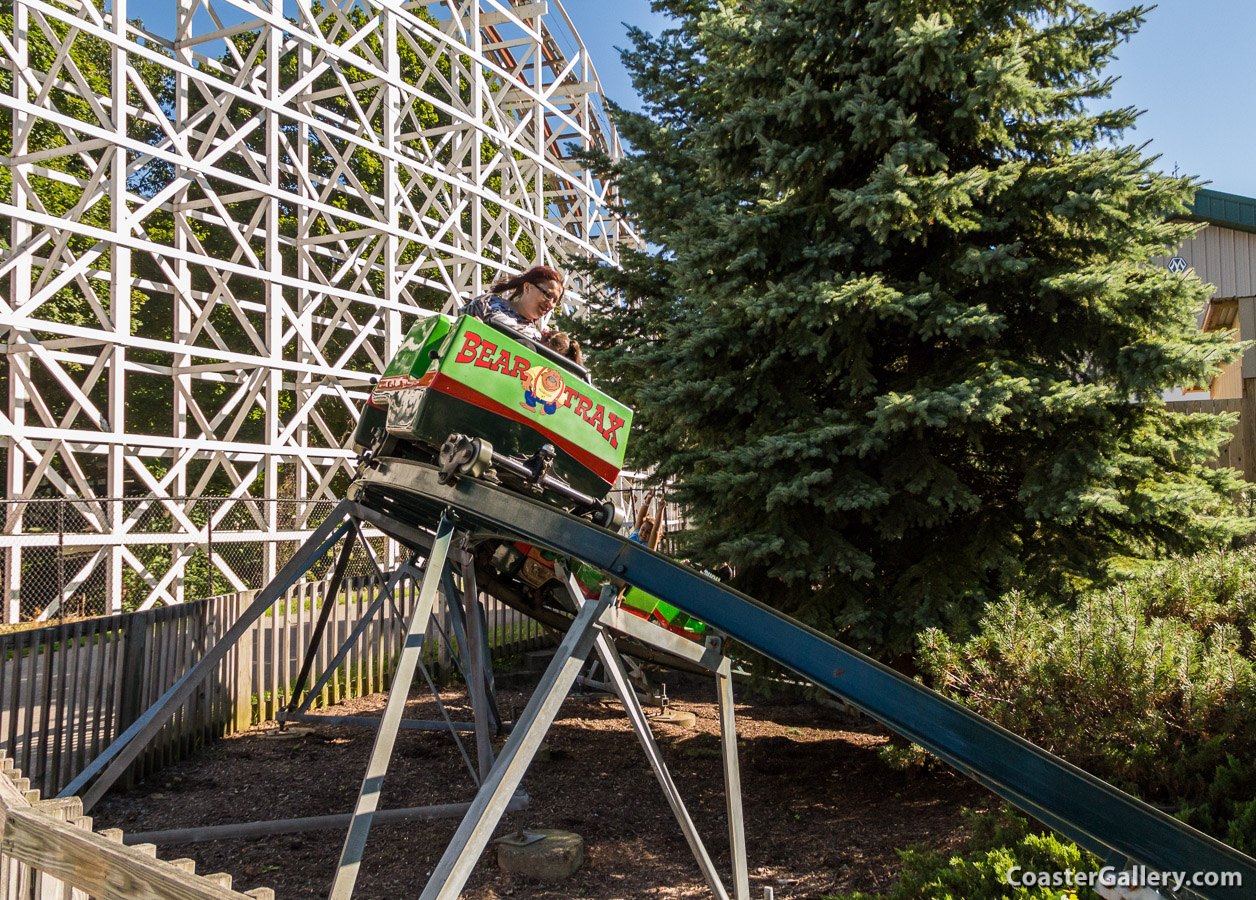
[
  {"x": 1240, "y": 452},
  {"x": 49, "y": 852},
  {"x": 68, "y": 690}
]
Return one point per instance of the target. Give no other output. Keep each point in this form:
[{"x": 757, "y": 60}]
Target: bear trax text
[{"x": 486, "y": 355}]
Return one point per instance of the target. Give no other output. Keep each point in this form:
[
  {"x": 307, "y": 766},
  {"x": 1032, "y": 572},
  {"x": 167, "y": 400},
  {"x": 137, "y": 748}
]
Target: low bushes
[
  {"x": 1149, "y": 685},
  {"x": 994, "y": 844}
]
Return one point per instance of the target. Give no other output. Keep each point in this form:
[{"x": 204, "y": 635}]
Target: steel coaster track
[{"x": 1113, "y": 825}]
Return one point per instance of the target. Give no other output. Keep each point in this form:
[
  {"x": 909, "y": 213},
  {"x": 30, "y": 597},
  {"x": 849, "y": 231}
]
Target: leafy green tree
[{"x": 903, "y": 341}]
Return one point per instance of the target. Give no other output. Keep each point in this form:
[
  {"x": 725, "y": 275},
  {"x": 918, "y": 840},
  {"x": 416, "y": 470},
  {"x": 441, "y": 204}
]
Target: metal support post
[
  {"x": 386, "y": 736},
  {"x": 209, "y": 550},
  {"x": 618, "y": 675},
  {"x": 329, "y": 603},
  {"x": 449, "y": 724},
  {"x": 732, "y": 781},
  {"x": 118, "y": 756},
  {"x": 451, "y": 873},
  {"x": 477, "y": 659},
  {"x": 458, "y": 618},
  {"x": 636, "y": 715},
  {"x": 330, "y": 671},
  {"x": 490, "y": 682},
  {"x": 458, "y": 625},
  {"x": 61, "y": 597}
]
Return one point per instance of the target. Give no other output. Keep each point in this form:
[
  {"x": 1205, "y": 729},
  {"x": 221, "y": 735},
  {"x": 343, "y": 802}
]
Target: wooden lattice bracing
[{"x": 214, "y": 239}]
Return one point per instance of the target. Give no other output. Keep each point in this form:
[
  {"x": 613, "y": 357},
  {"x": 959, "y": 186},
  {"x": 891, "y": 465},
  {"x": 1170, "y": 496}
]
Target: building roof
[
  {"x": 1223, "y": 313},
  {"x": 1225, "y": 210}
]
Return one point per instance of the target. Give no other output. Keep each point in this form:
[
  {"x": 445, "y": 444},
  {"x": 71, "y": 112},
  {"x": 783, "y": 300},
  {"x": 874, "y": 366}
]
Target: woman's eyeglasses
[{"x": 554, "y": 298}]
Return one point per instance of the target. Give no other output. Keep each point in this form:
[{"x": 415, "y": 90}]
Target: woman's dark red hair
[{"x": 535, "y": 276}]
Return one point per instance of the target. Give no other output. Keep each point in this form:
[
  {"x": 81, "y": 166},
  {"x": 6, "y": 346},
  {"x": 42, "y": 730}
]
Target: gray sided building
[{"x": 1224, "y": 255}]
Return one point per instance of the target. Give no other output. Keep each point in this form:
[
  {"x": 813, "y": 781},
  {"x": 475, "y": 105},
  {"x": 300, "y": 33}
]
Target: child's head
[{"x": 561, "y": 342}]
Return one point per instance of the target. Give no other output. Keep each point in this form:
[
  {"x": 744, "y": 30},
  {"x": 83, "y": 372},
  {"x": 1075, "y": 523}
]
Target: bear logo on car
[{"x": 541, "y": 389}]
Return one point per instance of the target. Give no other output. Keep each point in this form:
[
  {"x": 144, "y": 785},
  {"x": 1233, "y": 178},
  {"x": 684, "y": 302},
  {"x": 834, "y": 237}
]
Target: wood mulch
[{"x": 824, "y": 815}]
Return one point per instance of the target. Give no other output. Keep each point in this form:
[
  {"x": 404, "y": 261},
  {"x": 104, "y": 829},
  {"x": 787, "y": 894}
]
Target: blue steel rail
[{"x": 1115, "y": 826}]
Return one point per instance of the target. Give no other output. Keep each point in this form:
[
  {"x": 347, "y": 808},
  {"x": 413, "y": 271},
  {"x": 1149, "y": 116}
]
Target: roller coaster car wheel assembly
[
  {"x": 540, "y": 463},
  {"x": 461, "y": 455},
  {"x": 608, "y": 515}
]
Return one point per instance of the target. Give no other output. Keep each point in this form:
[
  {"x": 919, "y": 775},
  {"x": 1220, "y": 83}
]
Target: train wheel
[{"x": 461, "y": 455}]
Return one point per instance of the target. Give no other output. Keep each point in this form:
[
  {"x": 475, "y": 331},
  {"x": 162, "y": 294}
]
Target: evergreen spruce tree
[{"x": 901, "y": 337}]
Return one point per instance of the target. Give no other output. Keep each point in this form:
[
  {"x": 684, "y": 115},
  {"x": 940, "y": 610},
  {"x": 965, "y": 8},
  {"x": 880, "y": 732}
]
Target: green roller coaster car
[
  {"x": 650, "y": 607},
  {"x": 534, "y": 566},
  {"x": 461, "y": 376}
]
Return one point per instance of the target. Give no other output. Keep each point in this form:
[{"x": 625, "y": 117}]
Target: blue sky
[{"x": 1191, "y": 68}]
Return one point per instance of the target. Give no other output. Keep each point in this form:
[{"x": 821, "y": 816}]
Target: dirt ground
[{"x": 823, "y": 814}]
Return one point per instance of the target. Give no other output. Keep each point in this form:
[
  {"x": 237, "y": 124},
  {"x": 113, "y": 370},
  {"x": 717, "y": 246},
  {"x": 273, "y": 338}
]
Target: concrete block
[
  {"x": 558, "y": 855},
  {"x": 537, "y": 660},
  {"x": 676, "y": 717}
]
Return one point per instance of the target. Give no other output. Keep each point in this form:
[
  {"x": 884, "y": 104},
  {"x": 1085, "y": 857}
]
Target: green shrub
[
  {"x": 1148, "y": 685},
  {"x": 978, "y": 871},
  {"x": 1228, "y": 808}
]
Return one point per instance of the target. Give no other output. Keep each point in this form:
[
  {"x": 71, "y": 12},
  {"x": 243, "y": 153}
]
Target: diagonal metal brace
[
  {"x": 472, "y": 836},
  {"x": 618, "y": 676},
  {"x": 329, "y": 602},
  {"x": 386, "y": 736},
  {"x": 127, "y": 746},
  {"x": 330, "y": 672}
]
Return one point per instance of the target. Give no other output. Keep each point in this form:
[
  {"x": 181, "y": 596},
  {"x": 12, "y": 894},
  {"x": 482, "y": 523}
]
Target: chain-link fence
[{"x": 67, "y": 558}]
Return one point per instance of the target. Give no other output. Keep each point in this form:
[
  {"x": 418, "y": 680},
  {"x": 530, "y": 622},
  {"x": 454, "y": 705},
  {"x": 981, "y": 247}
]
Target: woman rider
[{"x": 522, "y": 302}]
